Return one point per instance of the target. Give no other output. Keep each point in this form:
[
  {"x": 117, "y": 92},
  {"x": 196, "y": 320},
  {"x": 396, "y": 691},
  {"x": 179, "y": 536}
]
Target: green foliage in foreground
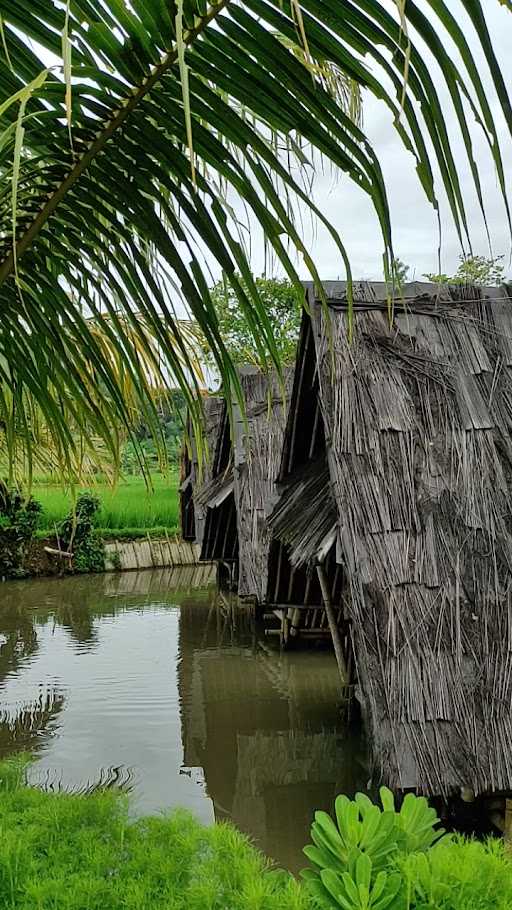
[
  {"x": 61, "y": 851},
  {"x": 383, "y": 859},
  {"x": 128, "y": 505},
  {"x": 83, "y": 853}
]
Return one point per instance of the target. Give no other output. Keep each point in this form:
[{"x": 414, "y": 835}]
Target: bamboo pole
[
  {"x": 507, "y": 833},
  {"x": 331, "y": 619}
]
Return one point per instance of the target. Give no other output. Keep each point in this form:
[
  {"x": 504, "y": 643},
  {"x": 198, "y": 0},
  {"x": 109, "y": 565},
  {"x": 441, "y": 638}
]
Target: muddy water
[{"x": 147, "y": 680}]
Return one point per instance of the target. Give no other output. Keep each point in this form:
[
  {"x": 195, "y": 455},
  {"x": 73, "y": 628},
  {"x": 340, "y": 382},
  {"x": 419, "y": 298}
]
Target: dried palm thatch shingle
[
  {"x": 305, "y": 516},
  {"x": 197, "y": 469},
  {"x": 258, "y": 446},
  {"x": 418, "y": 417}
]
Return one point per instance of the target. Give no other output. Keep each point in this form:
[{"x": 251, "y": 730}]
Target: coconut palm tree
[{"x": 128, "y": 128}]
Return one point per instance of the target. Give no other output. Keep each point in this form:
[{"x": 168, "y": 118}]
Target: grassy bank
[
  {"x": 61, "y": 851},
  {"x": 129, "y": 509},
  {"x": 64, "y": 852}
]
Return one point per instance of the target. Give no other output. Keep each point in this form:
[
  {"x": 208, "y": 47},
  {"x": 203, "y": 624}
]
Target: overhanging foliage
[{"x": 118, "y": 168}]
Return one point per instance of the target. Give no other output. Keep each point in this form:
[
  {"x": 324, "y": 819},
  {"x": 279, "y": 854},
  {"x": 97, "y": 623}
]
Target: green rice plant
[
  {"x": 136, "y": 533},
  {"x": 61, "y": 851},
  {"x": 128, "y": 505}
]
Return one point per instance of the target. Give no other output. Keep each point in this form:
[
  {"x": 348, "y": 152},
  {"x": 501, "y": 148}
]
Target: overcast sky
[
  {"x": 415, "y": 228},
  {"x": 414, "y": 223}
]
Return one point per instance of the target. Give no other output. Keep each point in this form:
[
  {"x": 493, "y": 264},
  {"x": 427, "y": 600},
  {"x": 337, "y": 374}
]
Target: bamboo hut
[
  {"x": 257, "y": 452},
  {"x": 304, "y": 586},
  {"x": 410, "y": 423},
  {"x": 215, "y": 502},
  {"x": 196, "y": 471},
  {"x": 232, "y": 504}
]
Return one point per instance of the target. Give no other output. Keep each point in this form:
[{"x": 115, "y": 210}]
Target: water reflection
[
  {"x": 142, "y": 680},
  {"x": 265, "y": 729}
]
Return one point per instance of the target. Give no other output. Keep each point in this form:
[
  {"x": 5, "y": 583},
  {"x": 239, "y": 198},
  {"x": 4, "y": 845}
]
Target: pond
[{"x": 148, "y": 681}]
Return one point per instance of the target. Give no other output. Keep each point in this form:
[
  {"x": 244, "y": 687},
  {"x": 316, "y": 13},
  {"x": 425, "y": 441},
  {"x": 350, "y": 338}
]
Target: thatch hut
[
  {"x": 214, "y": 500},
  {"x": 303, "y": 523},
  {"x": 257, "y": 451},
  {"x": 413, "y": 449},
  {"x": 232, "y": 504},
  {"x": 196, "y": 470}
]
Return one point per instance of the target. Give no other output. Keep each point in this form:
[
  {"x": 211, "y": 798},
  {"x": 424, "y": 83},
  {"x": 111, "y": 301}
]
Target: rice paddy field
[{"x": 129, "y": 508}]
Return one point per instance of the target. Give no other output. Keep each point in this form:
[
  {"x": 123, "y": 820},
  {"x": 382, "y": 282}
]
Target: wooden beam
[
  {"x": 335, "y": 634},
  {"x": 278, "y": 572},
  {"x": 63, "y": 554},
  {"x": 314, "y": 431},
  {"x": 288, "y": 606},
  {"x": 507, "y": 831}
]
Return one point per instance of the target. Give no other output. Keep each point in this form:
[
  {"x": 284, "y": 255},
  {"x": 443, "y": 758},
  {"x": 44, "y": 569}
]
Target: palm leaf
[{"x": 176, "y": 109}]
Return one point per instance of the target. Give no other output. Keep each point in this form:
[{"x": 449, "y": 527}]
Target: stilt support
[
  {"x": 333, "y": 627},
  {"x": 507, "y": 829}
]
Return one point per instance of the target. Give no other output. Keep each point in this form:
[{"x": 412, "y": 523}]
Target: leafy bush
[
  {"x": 78, "y": 536},
  {"x": 381, "y": 859},
  {"x": 283, "y": 309},
  {"x": 19, "y": 516},
  {"x": 68, "y": 852},
  {"x": 465, "y": 875}
]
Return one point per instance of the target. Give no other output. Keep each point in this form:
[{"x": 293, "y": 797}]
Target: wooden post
[
  {"x": 507, "y": 833},
  {"x": 331, "y": 619}
]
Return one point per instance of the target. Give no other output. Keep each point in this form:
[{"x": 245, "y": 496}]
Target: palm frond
[{"x": 122, "y": 222}]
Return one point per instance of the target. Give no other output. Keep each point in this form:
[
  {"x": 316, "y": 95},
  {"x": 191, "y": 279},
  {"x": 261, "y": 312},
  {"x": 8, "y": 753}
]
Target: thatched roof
[
  {"x": 258, "y": 445},
  {"x": 233, "y": 501},
  {"x": 197, "y": 470},
  {"x": 305, "y": 517},
  {"x": 417, "y": 416},
  {"x": 216, "y": 502}
]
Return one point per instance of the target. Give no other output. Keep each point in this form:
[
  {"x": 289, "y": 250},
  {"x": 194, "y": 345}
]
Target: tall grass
[
  {"x": 128, "y": 505},
  {"x": 60, "y": 851},
  {"x": 67, "y": 852}
]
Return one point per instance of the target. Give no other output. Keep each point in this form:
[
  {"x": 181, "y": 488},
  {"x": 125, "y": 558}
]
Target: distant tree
[
  {"x": 400, "y": 274},
  {"x": 171, "y": 407},
  {"x": 283, "y": 308},
  {"x": 439, "y": 278},
  {"x": 473, "y": 270}
]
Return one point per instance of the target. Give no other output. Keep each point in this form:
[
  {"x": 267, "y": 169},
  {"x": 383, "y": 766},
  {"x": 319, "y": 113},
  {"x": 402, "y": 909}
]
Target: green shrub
[
  {"x": 19, "y": 516},
  {"x": 381, "y": 859},
  {"x": 68, "y": 852},
  {"x": 464, "y": 875},
  {"x": 114, "y": 560},
  {"x": 77, "y": 534}
]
